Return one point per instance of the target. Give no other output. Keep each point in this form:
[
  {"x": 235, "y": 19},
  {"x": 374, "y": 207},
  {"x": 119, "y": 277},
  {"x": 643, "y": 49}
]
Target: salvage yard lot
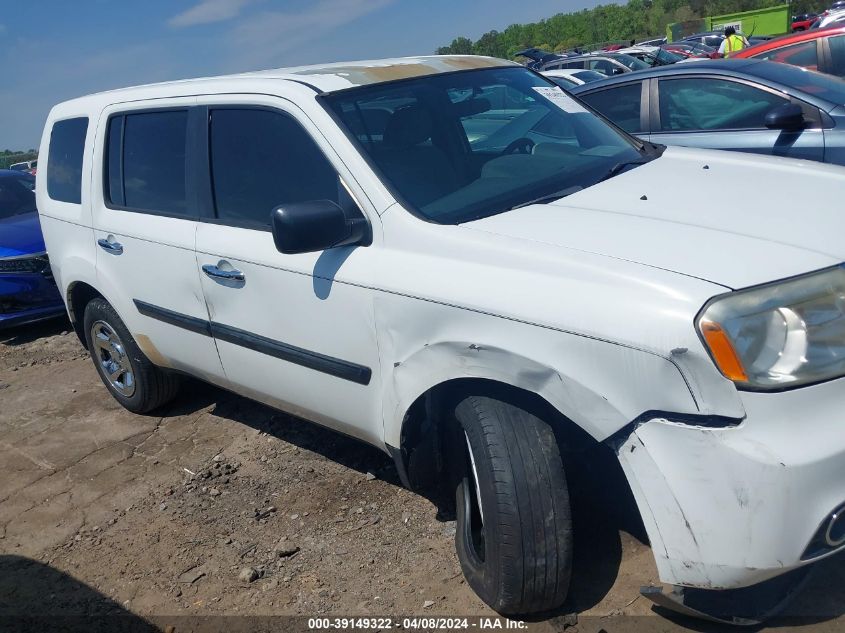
[{"x": 218, "y": 505}]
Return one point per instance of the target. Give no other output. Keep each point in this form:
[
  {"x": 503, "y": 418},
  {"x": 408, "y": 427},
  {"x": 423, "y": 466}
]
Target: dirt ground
[{"x": 221, "y": 506}]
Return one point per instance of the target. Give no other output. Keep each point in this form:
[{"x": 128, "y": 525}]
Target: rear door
[
  {"x": 726, "y": 113},
  {"x": 145, "y": 214}
]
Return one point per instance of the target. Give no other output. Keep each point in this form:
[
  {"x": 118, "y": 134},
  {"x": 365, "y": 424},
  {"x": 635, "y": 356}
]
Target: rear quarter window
[{"x": 64, "y": 168}]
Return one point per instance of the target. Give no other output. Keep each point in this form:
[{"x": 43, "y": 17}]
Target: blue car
[{"x": 27, "y": 289}]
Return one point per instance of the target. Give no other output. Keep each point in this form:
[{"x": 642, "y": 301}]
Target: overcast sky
[{"x": 54, "y": 50}]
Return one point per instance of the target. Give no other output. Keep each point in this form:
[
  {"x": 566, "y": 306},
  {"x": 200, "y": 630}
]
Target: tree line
[
  {"x": 638, "y": 19},
  {"x": 10, "y": 157}
]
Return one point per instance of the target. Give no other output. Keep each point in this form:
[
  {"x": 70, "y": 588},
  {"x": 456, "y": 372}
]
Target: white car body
[
  {"x": 589, "y": 302},
  {"x": 570, "y": 74}
]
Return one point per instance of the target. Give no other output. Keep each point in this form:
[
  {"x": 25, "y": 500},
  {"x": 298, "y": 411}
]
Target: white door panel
[
  {"x": 290, "y": 336},
  {"x": 160, "y": 276}
]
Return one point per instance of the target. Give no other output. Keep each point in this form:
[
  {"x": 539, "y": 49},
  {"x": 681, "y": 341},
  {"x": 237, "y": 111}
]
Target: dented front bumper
[{"x": 731, "y": 507}]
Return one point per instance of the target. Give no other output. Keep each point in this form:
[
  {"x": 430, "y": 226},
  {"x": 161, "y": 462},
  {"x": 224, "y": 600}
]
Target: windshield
[
  {"x": 564, "y": 82},
  {"x": 17, "y": 195},
  {"x": 589, "y": 75},
  {"x": 665, "y": 57},
  {"x": 460, "y": 146}
]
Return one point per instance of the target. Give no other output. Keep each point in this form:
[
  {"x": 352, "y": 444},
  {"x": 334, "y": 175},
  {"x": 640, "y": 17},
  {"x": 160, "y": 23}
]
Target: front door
[
  {"x": 294, "y": 331},
  {"x": 717, "y": 113}
]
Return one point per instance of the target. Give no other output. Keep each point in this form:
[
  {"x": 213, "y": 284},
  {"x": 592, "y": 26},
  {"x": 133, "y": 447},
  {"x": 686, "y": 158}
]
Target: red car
[
  {"x": 802, "y": 22},
  {"x": 819, "y": 49}
]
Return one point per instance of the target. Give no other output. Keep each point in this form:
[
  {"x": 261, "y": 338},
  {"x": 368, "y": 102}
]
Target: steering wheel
[{"x": 519, "y": 146}]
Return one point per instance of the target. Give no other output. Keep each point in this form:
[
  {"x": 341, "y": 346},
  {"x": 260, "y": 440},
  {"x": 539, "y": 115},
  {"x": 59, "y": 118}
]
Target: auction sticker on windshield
[{"x": 560, "y": 99}]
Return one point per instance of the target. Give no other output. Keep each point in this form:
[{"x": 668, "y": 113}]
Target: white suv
[{"x": 453, "y": 260}]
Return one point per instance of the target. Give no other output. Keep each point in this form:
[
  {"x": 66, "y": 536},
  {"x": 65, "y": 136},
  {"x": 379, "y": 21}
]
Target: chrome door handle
[
  {"x": 216, "y": 273},
  {"x": 111, "y": 247}
]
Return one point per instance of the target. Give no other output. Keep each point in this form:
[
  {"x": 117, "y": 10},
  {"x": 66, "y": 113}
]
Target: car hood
[
  {"x": 21, "y": 235},
  {"x": 729, "y": 218}
]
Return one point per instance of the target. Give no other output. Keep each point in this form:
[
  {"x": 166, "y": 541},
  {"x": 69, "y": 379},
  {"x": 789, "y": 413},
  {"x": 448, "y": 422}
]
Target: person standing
[{"x": 732, "y": 42}]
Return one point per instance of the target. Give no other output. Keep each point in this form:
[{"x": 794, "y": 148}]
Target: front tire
[
  {"x": 130, "y": 377},
  {"x": 514, "y": 528}
]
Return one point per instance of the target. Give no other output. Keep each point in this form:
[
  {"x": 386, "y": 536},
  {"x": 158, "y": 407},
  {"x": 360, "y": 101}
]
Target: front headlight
[{"x": 780, "y": 335}]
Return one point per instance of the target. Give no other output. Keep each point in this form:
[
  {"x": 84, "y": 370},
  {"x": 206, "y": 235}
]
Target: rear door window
[
  {"x": 64, "y": 169},
  {"x": 145, "y": 162},
  {"x": 619, "y": 104},
  {"x": 713, "y": 104}
]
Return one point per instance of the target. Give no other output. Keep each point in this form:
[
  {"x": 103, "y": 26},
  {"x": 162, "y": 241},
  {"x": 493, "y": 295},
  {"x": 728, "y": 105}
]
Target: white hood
[{"x": 731, "y": 218}]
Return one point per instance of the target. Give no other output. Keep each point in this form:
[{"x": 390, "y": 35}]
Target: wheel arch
[
  {"x": 453, "y": 363},
  {"x": 79, "y": 294}
]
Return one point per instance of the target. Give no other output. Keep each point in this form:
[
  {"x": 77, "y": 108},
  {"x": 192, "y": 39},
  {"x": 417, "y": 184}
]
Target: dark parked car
[
  {"x": 735, "y": 104},
  {"x": 606, "y": 63},
  {"x": 711, "y": 38},
  {"x": 27, "y": 290},
  {"x": 539, "y": 58}
]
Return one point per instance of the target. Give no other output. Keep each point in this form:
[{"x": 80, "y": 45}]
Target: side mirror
[
  {"x": 316, "y": 225},
  {"x": 788, "y": 116}
]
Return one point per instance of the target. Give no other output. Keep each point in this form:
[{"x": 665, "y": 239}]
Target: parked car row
[
  {"x": 822, "y": 50},
  {"x": 459, "y": 263}
]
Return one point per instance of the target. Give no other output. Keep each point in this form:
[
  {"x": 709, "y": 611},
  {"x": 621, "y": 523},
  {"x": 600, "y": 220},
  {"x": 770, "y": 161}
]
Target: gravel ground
[{"x": 221, "y": 506}]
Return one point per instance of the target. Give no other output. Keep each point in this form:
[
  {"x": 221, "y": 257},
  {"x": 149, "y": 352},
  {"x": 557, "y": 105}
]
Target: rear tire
[
  {"x": 130, "y": 377},
  {"x": 514, "y": 527}
]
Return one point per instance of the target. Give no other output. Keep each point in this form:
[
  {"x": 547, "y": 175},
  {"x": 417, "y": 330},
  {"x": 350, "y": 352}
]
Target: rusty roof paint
[{"x": 329, "y": 77}]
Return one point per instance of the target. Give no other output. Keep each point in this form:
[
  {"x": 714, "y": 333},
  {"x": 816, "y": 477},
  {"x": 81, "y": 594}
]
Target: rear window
[
  {"x": 145, "y": 162},
  {"x": 64, "y": 169},
  {"x": 16, "y": 195}
]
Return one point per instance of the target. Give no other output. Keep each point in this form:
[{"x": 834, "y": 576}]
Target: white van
[{"x": 455, "y": 261}]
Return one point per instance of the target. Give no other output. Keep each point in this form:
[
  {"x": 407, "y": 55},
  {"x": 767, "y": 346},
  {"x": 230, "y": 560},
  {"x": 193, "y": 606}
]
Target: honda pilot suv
[{"x": 453, "y": 260}]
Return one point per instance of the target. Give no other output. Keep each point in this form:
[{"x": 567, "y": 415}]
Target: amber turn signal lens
[{"x": 723, "y": 352}]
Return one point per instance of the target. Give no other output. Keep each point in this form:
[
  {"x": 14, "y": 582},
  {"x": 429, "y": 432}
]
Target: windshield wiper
[
  {"x": 551, "y": 197},
  {"x": 618, "y": 167}
]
